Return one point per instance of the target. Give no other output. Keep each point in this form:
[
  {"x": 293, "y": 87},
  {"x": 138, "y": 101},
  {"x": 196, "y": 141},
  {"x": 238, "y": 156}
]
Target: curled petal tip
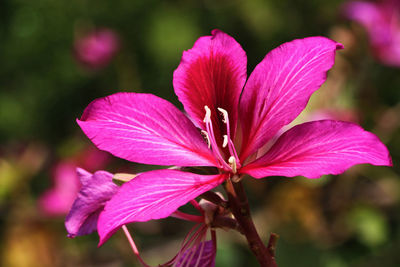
[
  {"x": 339, "y": 46},
  {"x": 215, "y": 32}
]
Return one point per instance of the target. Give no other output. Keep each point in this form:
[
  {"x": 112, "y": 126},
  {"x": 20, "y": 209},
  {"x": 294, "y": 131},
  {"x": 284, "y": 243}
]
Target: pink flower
[
  {"x": 96, "y": 190},
  {"x": 97, "y": 49},
  {"x": 57, "y": 201},
  {"x": 381, "y": 20},
  {"x": 235, "y": 125}
]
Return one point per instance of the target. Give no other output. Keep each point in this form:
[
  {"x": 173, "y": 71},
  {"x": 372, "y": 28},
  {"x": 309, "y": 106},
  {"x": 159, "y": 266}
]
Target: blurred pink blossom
[
  {"x": 96, "y": 190},
  {"x": 97, "y": 48},
  {"x": 57, "y": 201},
  {"x": 381, "y": 20}
]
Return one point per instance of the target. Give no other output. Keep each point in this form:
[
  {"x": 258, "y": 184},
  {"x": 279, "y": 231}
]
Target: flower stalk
[{"x": 239, "y": 206}]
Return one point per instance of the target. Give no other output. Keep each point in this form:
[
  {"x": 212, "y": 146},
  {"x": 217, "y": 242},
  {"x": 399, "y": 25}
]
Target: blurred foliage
[{"x": 347, "y": 220}]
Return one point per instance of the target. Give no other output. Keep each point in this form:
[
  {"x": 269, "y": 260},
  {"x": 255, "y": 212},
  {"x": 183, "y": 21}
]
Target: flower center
[{"x": 233, "y": 163}]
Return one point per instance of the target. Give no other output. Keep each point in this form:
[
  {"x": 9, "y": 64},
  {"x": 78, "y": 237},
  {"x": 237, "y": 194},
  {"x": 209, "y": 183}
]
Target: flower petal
[
  {"x": 146, "y": 129},
  {"x": 84, "y": 176},
  {"x": 365, "y": 13},
  {"x": 317, "y": 148},
  {"x": 280, "y": 87},
  {"x": 372, "y": 17},
  {"x": 212, "y": 73},
  {"x": 201, "y": 255},
  {"x": 380, "y": 20},
  {"x": 95, "y": 192},
  {"x": 152, "y": 195}
]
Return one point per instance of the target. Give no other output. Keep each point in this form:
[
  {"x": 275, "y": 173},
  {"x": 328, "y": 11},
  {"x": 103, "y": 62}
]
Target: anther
[
  {"x": 212, "y": 141},
  {"x": 232, "y": 164},
  {"x": 207, "y": 117},
  {"x": 205, "y": 134},
  {"x": 225, "y": 142},
  {"x": 224, "y": 114}
]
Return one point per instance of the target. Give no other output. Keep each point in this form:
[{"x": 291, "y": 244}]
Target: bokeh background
[{"x": 336, "y": 221}]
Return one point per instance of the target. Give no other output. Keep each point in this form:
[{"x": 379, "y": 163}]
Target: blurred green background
[{"x": 336, "y": 221}]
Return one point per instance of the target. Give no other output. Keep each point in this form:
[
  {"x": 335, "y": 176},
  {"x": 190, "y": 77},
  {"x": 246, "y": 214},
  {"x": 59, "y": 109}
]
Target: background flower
[
  {"x": 381, "y": 20},
  {"x": 57, "y": 200},
  {"x": 96, "y": 49}
]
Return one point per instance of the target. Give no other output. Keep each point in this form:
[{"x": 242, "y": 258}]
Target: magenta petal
[
  {"x": 96, "y": 190},
  {"x": 381, "y": 21},
  {"x": 361, "y": 11},
  {"x": 201, "y": 255},
  {"x": 372, "y": 17},
  {"x": 317, "y": 148},
  {"x": 146, "y": 129},
  {"x": 280, "y": 87},
  {"x": 84, "y": 176},
  {"x": 212, "y": 73},
  {"x": 152, "y": 195}
]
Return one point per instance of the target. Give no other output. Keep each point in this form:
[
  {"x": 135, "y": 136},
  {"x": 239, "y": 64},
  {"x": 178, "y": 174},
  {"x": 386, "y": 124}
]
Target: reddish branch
[{"x": 239, "y": 206}]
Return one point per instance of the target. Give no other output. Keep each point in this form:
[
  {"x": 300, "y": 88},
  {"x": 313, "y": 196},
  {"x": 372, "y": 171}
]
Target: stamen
[
  {"x": 188, "y": 242},
  {"x": 232, "y": 147},
  {"x": 205, "y": 134},
  {"x": 189, "y": 237},
  {"x": 224, "y": 114},
  {"x": 214, "y": 146},
  {"x": 203, "y": 243},
  {"x": 189, "y": 246},
  {"x": 232, "y": 163},
  {"x": 133, "y": 245},
  {"x": 230, "y": 144},
  {"x": 225, "y": 143},
  {"x": 187, "y": 217},
  {"x": 207, "y": 117}
]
